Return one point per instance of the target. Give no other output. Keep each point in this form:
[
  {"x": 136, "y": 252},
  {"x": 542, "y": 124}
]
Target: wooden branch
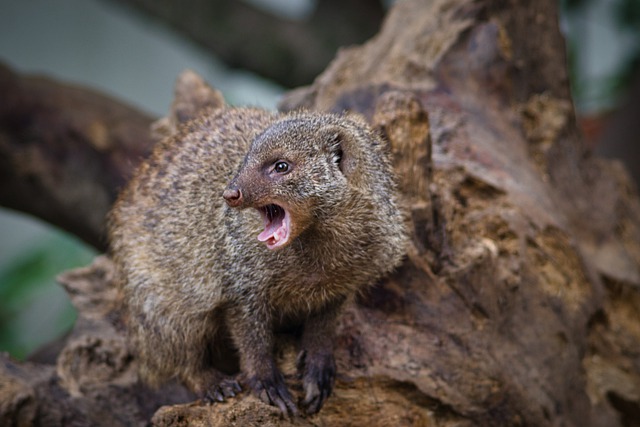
[
  {"x": 65, "y": 152},
  {"x": 290, "y": 52}
]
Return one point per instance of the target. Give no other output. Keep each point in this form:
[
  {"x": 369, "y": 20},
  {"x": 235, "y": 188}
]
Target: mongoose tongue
[{"x": 277, "y": 225}]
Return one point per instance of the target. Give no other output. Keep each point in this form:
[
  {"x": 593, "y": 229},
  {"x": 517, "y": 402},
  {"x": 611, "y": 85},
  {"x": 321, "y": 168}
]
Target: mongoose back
[{"x": 247, "y": 221}]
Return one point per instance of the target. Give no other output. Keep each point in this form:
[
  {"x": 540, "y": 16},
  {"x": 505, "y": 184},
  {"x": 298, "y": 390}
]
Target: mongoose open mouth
[{"x": 277, "y": 226}]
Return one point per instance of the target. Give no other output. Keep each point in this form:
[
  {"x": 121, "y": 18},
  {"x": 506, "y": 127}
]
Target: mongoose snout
[
  {"x": 233, "y": 197},
  {"x": 275, "y": 217}
]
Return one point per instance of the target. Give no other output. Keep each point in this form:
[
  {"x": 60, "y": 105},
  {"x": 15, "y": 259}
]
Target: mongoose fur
[{"x": 311, "y": 217}]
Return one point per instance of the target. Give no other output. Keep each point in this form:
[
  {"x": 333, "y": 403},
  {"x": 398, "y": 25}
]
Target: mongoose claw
[
  {"x": 225, "y": 388},
  {"x": 318, "y": 379},
  {"x": 273, "y": 391}
]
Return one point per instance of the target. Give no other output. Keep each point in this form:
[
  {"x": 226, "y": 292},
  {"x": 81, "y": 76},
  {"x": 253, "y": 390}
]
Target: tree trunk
[{"x": 519, "y": 300}]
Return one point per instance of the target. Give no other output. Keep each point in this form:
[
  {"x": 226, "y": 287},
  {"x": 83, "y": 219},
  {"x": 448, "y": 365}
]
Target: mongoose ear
[{"x": 342, "y": 149}]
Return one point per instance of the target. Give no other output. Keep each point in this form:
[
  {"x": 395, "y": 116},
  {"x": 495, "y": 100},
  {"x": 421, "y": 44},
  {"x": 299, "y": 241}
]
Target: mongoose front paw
[
  {"x": 318, "y": 377},
  {"x": 273, "y": 391},
  {"x": 223, "y": 388}
]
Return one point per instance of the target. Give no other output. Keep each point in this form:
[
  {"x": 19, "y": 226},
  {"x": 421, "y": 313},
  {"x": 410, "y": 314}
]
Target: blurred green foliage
[
  {"x": 626, "y": 18},
  {"x": 627, "y": 14},
  {"x": 34, "y": 309}
]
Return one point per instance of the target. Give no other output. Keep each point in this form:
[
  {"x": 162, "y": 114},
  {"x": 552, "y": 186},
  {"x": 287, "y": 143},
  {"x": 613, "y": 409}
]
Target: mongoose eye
[{"x": 281, "y": 167}]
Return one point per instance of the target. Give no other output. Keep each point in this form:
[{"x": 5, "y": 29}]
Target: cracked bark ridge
[
  {"x": 191, "y": 95},
  {"x": 518, "y": 302}
]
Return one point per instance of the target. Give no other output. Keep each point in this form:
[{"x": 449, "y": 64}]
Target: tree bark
[{"x": 518, "y": 301}]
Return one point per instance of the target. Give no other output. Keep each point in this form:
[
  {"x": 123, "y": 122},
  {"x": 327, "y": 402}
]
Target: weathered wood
[{"x": 518, "y": 302}]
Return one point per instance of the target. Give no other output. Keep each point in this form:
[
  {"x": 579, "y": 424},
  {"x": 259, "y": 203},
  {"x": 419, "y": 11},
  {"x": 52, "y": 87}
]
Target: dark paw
[
  {"x": 273, "y": 391},
  {"x": 223, "y": 388},
  {"x": 318, "y": 377}
]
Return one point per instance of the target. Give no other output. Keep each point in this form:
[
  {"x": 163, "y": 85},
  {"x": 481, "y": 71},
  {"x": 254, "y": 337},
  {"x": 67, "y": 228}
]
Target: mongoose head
[{"x": 296, "y": 171}]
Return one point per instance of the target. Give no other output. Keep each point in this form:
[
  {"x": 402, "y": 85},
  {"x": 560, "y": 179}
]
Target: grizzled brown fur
[{"x": 191, "y": 266}]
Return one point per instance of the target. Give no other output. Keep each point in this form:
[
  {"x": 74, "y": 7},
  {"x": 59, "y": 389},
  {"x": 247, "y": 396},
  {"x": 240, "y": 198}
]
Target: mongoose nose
[{"x": 233, "y": 196}]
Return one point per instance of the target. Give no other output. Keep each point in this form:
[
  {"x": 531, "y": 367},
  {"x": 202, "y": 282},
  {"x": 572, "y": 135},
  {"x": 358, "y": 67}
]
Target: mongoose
[{"x": 248, "y": 221}]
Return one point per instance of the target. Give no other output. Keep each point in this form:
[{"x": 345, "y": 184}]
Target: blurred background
[{"x": 252, "y": 51}]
